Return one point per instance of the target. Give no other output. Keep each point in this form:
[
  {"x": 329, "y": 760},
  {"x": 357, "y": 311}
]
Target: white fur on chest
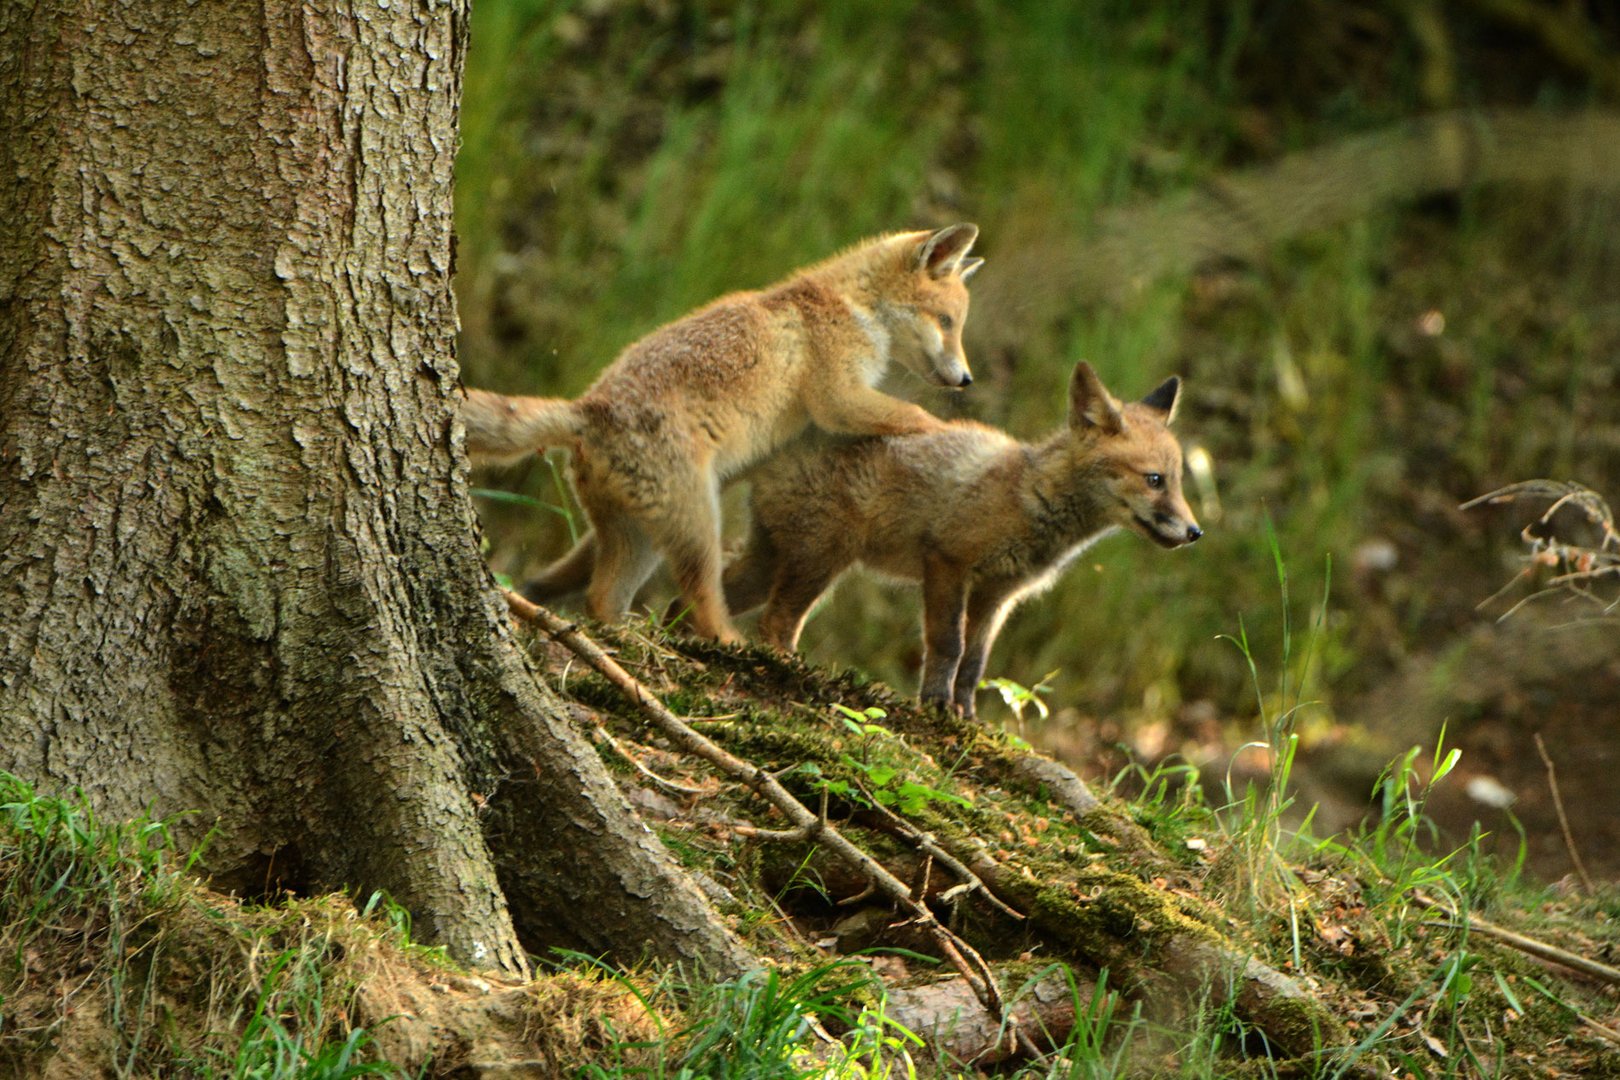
[
  {"x": 877, "y": 359},
  {"x": 1040, "y": 564}
]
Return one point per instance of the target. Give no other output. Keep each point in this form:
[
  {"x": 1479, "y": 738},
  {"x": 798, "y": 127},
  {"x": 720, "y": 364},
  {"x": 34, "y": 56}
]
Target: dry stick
[
  {"x": 1563, "y": 819},
  {"x": 1601, "y": 1028},
  {"x": 607, "y": 737},
  {"x": 1528, "y": 945},
  {"x": 804, "y": 832},
  {"x": 928, "y": 845},
  {"x": 977, "y": 973}
]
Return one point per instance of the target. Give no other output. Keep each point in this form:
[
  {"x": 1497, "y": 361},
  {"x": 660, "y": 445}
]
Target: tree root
[
  {"x": 1146, "y": 936},
  {"x": 1146, "y": 945}
]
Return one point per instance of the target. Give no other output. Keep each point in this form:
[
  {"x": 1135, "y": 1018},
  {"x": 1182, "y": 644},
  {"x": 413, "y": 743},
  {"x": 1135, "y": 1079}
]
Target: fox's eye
[
  {"x": 946, "y": 322},
  {"x": 1154, "y": 480}
]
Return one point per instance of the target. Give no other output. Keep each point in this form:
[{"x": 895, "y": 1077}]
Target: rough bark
[{"x": 238, "y": 564}]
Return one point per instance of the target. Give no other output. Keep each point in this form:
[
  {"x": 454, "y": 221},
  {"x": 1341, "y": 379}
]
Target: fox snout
[
  {"x": 1169, "y": 530},
  {"x": 950, "y": 371}
]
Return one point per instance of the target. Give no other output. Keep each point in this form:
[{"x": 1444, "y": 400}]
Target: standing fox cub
[
  {"x": 981, "y": 519},
  {"x": 702, "y": 398}
]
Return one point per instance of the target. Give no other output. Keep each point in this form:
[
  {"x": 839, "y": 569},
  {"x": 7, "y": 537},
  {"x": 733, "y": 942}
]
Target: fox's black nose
[
  {"x": 967, "y": 380},
  {"x": 1193, "y": 533}
]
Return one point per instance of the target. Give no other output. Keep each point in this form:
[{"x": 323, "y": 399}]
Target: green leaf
[
  {"x": 1507, "y": 993},
  {"x": 495, "y": 495}
]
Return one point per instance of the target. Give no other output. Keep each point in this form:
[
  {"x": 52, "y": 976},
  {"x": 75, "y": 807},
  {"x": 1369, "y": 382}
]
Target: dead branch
[
  {"x": 802, "y": 834},
  {"x": 1563, "y": 818},
  {"x": 929, "y": 846},
  {"x": 1528, "y": 945},
  {"x": 1577, "y": 566},
  {"x": 603, "y": 734}
]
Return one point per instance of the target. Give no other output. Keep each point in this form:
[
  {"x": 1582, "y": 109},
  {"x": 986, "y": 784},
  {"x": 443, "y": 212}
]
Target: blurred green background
[{"x": 1376, "y": 321}]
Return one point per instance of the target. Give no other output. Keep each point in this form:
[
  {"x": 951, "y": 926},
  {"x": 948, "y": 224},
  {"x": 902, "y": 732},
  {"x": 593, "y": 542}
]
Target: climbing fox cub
[
  {"x": 701, "y": 398},
  {"x": 980, "y": 519}
]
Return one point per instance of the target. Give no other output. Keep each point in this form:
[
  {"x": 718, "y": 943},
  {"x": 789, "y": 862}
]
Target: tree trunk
[{"x": 238, "y": 563}]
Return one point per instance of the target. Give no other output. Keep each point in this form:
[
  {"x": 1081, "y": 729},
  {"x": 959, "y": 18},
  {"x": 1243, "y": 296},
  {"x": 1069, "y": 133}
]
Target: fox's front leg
[
  {"x": 945, "y": 592},
  {"x": 986, "y": 612},
  {"x": 861, "y": 410}
]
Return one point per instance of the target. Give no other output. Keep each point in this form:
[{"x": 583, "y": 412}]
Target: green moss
[{"x": 1097, "y": 888}]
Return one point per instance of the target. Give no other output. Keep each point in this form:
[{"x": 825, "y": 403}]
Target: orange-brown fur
[
  {"x": 980, "y": 519},
  {"x": 701, "y": 398}
]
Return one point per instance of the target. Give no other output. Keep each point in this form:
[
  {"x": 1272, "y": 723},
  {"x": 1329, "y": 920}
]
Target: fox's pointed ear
[
  {"x": 971, "y": 267},
  {"x": 1165, "y": 398},
  {"x": 943, "y": 250},
  {"x": 1090, "y": 403}
]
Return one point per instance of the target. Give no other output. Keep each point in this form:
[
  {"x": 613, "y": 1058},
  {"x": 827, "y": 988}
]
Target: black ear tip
[{"x": 1163, "y": 397}]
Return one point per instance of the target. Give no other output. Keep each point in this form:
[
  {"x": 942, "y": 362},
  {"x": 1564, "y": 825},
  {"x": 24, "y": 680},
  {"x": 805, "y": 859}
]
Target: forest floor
[{"x": 1171, "y": 927}]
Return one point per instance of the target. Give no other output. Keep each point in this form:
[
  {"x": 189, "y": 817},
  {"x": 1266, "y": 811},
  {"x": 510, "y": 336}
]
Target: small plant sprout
[
  {"x": 1019, "y": 697},
  {"x": 863, "y": 721},
  {"x": 876, "y": 781}
]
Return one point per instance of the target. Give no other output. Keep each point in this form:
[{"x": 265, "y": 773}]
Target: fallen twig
[
  {"x": 928, "y": 845},
  {"x": 1601, "y": 1028},
  {"x": 1563, "y": 819},
  {"x": 960, "y": 954},
  {"x": 1528, "y": 945},
  {"x": 607, "y": 736}
]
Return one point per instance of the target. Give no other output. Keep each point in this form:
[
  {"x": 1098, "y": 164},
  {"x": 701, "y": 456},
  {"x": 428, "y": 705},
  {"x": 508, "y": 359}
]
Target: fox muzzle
[
  {"x": 1169, "y": 532},
  {"x": 951, "y": 372}
]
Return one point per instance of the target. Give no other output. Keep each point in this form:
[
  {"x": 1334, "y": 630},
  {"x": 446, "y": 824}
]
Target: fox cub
[
  {"x": 704, "y": 397},
  {"x": 980, "y": 519}
]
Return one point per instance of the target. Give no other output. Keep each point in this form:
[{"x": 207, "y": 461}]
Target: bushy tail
[{"x": 503, "y": 428}]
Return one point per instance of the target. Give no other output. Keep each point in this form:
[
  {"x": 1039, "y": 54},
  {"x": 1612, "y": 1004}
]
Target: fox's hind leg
[
  {"x": 748, "y": 577},
  {"x": 569, "y": 574},
  {"x": 624, "y": 548},
  {"x": 794, "y": 592},
  {"x": 688, "y": 533},
  {"x": 625, "y": 559}
]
